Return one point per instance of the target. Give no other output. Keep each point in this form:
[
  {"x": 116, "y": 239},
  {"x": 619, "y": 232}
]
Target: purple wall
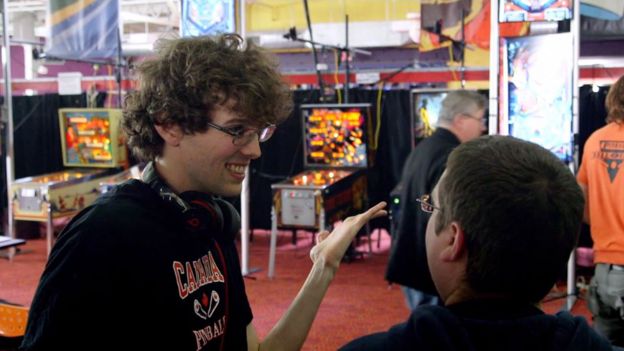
[
  {"x": 53, "y": 67},
  {"x": 17, "y": 62}
]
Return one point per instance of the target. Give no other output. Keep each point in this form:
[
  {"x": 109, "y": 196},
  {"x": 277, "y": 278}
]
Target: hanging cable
[
  {"x": 110, "y": 87},
  {"x": 393, "y": 74},
  {"x": 451, "y": 60},
  {"x": 379, "y": 109},
  {"x": 336, "y": 65}
]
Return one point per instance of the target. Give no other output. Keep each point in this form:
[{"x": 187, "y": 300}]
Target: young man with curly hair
[{"x": 152, "y": 265}]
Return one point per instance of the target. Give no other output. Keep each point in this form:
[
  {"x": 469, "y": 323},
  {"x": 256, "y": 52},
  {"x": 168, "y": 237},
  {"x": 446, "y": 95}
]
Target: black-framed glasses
[
  {"x": 243, "y": 136},
  {"x": 426, "y": 205}
]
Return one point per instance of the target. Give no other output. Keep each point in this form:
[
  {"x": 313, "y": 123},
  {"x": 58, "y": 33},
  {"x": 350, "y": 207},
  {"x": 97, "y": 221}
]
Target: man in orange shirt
[{"x": 601, "y": 177}]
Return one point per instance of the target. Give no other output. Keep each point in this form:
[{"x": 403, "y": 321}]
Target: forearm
[{"x": 292, "y": 329}]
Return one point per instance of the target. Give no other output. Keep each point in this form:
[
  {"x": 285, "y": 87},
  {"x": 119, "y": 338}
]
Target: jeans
[
  {"x": 606, "y": 301},
  {"x": 415, "y": 298}
]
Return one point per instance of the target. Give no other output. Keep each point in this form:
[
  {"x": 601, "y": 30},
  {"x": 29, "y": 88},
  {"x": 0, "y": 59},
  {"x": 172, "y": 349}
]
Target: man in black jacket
[
  {"x": 503, "y": 220},
  {"x": 462, "y": 118}
]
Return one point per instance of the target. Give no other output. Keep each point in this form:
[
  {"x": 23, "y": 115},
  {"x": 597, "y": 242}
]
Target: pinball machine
[
  {"x": 93, "y": 150},
  {"x": 108, "y": 183},
  {"x": 334, "y": 183}
]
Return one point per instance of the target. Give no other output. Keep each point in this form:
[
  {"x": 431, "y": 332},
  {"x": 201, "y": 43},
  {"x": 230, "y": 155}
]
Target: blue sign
[{"x": 207, "y": 17}]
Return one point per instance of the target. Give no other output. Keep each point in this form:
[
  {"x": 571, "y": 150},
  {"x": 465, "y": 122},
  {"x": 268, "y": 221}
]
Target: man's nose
[{"x": 252, "y": 148}]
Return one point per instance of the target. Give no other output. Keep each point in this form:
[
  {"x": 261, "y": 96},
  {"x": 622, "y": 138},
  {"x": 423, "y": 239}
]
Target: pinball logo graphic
[
  {"x": 190, "y": 277},
  {"x": 612, "y": 154}
]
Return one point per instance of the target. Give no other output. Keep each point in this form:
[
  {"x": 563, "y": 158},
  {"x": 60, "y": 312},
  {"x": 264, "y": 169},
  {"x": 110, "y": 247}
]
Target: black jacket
[
  {"x": 424, "y": 167},
  {"x": 129, "y": 273},
  {"x": 484, "y": 326}
]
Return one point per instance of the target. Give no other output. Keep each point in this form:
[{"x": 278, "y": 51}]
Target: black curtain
[
  {"x": 592, "y": 113},
  {"x": 282, "y": 156},
  {"x": 37, "y": 137},
  {"x": 36, "y": 134},
  {"x": 592, "y": 116}
]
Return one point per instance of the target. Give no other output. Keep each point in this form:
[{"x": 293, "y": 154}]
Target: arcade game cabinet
[
  {"x": 334, "y": 185},
  {"x": 90, "y": 140}
]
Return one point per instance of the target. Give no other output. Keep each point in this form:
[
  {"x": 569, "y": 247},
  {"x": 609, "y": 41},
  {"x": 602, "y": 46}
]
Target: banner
[
  {"x": 441, "y": 24},
  {"x": 83, "y": 29},
  {"x": 207, "y": 17}
]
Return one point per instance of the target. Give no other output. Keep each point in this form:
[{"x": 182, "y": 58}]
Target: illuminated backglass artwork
[
  {"x": 536, "y": 91},
  {"x": 91, "y": 137},
  {"x": 426, "y": 106},
  {"x": 534, "y": 10},
  {"x": 335, "y": 135}
]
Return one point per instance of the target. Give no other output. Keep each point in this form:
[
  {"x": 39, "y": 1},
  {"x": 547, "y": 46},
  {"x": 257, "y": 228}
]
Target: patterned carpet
[{"x": 358, "y": 302}]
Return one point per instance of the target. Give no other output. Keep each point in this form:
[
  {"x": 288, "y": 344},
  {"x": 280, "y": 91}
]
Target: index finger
[{"x": 373, "y": 212}]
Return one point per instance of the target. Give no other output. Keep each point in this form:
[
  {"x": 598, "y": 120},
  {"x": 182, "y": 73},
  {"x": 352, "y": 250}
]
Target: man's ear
[
  {"x": 458, "y": 121},
  {"x": 455, "y": 244},
  {"x": 172, "y": 134}
]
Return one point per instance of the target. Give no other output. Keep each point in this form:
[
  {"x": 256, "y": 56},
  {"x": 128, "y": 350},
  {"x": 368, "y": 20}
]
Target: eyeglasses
[
  {"x": 480, "y": 119},
  {"x": 425, "y": 205},
  {"x": 242, "y": 136}
]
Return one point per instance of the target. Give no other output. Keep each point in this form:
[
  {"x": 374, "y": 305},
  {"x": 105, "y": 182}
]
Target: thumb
[{"x": 322, "y": 236}]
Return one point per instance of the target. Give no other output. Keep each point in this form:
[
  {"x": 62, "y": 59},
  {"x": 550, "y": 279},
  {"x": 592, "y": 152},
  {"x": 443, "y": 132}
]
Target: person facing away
[
  {"x": 601, "y": 176},
  {"x": 503, "y": 220},
  {"x": 152, "y": 265},
  {"x": 462, "y": 118}
]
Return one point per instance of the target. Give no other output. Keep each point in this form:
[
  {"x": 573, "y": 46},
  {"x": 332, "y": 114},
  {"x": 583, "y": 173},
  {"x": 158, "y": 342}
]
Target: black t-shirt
[{"x": 128, "y": 273}]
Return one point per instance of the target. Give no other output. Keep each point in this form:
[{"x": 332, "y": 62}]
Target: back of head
[
  {"x": 188, "y": 77},
  {"x": 521, "y": 211},
  {"x": 458, "y": 102},
  {"x": 615, "y": 102}
]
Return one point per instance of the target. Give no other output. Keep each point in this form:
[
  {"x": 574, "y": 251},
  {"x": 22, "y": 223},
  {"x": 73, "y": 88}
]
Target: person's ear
[
  {"x": 455, "y": 243},
  {"x": 171, "y": 134}
]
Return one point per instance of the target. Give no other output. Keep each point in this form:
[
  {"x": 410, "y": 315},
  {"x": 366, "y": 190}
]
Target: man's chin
[{"x": 230, "y": 191}]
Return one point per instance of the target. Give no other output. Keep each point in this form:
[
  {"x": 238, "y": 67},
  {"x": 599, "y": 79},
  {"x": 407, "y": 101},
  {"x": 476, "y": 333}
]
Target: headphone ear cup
[
  {"x": 231, "y": 218},
  {"x": 202, "y": 215},
  {"x": 194, "y": 219}
]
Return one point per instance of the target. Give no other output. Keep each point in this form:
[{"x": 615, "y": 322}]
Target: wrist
[{"x": 325, "y": 268}]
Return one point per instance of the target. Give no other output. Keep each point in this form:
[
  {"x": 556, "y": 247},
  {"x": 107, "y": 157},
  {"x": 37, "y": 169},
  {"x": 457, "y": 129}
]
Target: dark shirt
[
  {"x": 128, "y": 273},
  {"x": 424, "y": 167},
  {"x": 485, "y": 325}
]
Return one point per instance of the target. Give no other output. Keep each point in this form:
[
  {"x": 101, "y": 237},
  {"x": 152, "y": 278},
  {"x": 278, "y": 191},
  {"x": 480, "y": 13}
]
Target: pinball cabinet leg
[
  {"x": 369, "y": 233},
  {"x": 49, "y": 227},
  {"x": 11, "y": 229},
  {"x": 369, "y": 237},
  {"x": 273, "y": 242}
]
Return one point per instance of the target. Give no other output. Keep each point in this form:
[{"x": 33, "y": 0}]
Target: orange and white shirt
[{"x": 602, "y": 174}]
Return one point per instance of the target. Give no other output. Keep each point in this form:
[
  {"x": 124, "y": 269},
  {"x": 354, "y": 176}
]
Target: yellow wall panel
[{"x": 279, "y": 15}]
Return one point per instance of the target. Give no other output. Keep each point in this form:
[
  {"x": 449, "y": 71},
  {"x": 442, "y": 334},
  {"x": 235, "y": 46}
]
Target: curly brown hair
[
  {"x": 615, "y": 102},
  {"x": 188, "y": 77}
]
